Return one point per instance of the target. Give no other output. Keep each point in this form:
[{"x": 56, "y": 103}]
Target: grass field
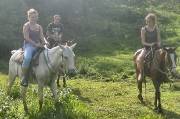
[{"x": 104, "y": 89}]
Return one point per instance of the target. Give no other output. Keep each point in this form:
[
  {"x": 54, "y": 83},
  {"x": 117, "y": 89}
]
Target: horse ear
[
  {"x": 166, "y": 48},
  {"x": 72, "y": 46},
  {"x": 174, "y": 48},
  {"x": 61, "y": 46}
]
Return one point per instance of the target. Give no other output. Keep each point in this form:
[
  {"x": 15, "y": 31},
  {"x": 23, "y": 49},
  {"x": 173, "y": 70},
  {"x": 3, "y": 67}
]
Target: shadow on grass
[
  {"x": 175, "y": 87},
  {"x": 166, "y": 113},
  {"x": 170, "y": 114},
  {"x": 77, "y": 92}
]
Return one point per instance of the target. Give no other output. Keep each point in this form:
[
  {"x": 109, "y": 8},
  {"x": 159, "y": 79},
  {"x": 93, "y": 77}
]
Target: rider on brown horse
[
  {"x": 162, "y": 62},
  {"x": 150, "y": 37}
]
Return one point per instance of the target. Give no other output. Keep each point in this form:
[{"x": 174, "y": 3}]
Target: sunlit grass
[{"x": 119, "y": 100}]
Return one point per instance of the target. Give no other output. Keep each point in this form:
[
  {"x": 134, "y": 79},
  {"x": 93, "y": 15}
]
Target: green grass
[
  {"x": 68, "y": 107},
  {"x": 104, "y": 89},
  {"x": 86, "y": 99},
  {"x": 119, "y": 100}
]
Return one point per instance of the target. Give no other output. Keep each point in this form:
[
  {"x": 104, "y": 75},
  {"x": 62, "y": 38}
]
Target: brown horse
[{"x": 163, "y": 62}]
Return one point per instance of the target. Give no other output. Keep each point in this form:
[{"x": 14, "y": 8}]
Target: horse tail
[
  {"x": 145, "y": 87},
  {"x": 144, "y": 80}
]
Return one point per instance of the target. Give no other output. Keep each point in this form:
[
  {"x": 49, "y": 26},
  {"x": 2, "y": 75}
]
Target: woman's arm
[
  {"x": 158, "y": 37},
  {"x": 42, "y": 36},
  {"x": 49, "y": 31},
  {"x": 62, "y": 29},
  {"x": 26, "y": 34},
  {"x": 143, "y": 38},
  {"x": 60, "y": 35}
]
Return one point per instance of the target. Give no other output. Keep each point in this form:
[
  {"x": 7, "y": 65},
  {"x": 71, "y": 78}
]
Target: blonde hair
[
  {"x": 151, "y": 17},
  {"x": 32, "y": 11}
]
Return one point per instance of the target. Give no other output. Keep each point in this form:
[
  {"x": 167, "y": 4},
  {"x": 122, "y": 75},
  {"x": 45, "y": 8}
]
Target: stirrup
[{"x": 24, "y": 82}]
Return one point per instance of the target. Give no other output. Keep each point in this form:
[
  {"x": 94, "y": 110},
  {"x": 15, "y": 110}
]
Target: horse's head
[
  {"x": 68, "y": 58},
  {"x": 170, "y": 58}
]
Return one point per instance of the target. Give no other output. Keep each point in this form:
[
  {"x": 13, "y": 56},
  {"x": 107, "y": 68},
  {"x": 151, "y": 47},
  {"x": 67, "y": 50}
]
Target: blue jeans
[{"x": 29, "y": 51}]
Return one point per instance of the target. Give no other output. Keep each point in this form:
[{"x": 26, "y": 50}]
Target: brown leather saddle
[{"x": 148, "y": 60}]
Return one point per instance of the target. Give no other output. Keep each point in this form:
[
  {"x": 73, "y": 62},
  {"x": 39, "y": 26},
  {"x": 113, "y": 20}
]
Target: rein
[
  {"x": 48, "y": 62},
  {"x": 49, "y": 65}
]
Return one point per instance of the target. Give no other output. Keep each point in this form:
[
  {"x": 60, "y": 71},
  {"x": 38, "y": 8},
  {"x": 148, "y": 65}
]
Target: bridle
[
  {"x": 168, "y": 68},
  {"x": 48, "y": 61}
]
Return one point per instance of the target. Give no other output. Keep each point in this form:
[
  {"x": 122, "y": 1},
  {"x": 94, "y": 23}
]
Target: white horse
[{"x": 50, "y": 60}]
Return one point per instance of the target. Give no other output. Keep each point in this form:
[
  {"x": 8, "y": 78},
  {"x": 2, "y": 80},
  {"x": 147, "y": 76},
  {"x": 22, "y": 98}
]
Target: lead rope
[
  {"x": 47, "y": 60},
  {"x": 144, "y": 73}
]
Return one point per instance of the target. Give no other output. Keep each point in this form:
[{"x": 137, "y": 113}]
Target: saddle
[
  {"x": 20, "y": 56},
  {"x": 148, "y": 60}
]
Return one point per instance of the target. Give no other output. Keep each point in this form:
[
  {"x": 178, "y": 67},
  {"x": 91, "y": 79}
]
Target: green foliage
[
  {"x": 86, "y": 19},
  {"x": 11, "y": 21},
  {"x": 4, "y": 66},
  {"x": 68, "y": 107}
]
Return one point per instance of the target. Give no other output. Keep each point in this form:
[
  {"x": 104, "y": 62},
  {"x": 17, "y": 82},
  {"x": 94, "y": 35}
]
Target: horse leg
[
  {"x": 139, "y": 82},
  {"x": 140, "y": 91},
  {"x": 58, "y": 85},
  {"x": 10, "y": 82},
  {"x": 24, "y": 90},
  {"x": 54, "y": 90},
  {"x": 155, "y": 98},
  {"x": 40, "y": 94},
  {"x": 140, "y": 75},
  {"x": 157, "y": 101},
  {"x": 64, "y": 81}
]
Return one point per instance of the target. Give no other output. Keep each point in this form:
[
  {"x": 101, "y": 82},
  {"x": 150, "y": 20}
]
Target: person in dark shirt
[{"x": 55, "y": 31}]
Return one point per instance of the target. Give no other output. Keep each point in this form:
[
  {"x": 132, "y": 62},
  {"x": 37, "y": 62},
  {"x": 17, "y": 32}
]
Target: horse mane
[{"x": 160, "y": 64}]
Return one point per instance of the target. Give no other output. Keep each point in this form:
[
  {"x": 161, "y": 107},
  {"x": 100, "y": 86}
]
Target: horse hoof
[
  {"x": 26, "y": 112},
  {"x": 39, "y": 110},
  {"x": 64, "y": 85},
  {"x": 140, "y": 98},
  {"x": 155, "y": 109},
  {"x": 158, "y": 110},
  {"x": 58, "y": 85},
  {"x": 8, "y": 93}
]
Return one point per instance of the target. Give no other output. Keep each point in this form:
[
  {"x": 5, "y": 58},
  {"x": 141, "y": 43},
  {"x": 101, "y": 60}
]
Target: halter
[{"x": 48, "y": 61}]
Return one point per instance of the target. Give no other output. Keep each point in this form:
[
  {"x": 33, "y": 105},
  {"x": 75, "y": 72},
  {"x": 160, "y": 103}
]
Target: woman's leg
[
  {"x": 140, "y": 76},
  {"x": 28, "y": 53},
  {"x": 140, "y": 64}
]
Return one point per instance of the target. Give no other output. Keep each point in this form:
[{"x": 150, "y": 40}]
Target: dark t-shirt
[{"x": 55, "y": 28}]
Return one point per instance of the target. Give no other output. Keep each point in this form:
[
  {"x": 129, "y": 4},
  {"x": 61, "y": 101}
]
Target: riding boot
[{"x": 24, "y": 81}]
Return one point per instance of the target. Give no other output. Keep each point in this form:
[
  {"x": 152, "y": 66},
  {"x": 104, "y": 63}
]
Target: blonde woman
[
  {"x": 150, "y": 36},
  {"x": 33, "y": 39}
]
